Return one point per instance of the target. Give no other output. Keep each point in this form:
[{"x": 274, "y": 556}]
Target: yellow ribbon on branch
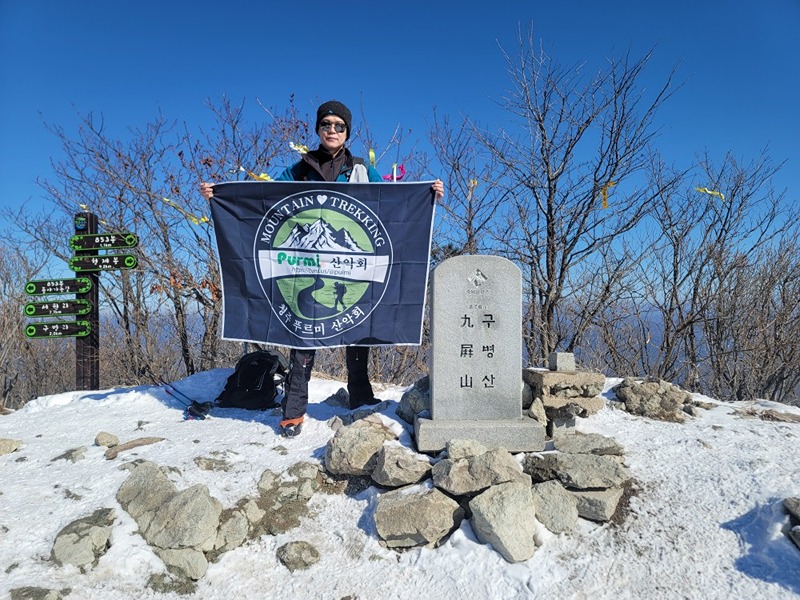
[
  {"x": 604, "y": 192},
  {"x": 185, "y": 213},
  {"x": 251, "y": 175},
  {"x": 705, "y": 190}
]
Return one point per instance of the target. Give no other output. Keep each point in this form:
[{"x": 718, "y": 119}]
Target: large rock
[
  {"x": 598, "y": 505},
  {"x": 406, "y": 517},
  {"x": 536, "y": 411},
  {"x": 556, "y": 508},
  {"x": 189, "y": 563},
  {"x": 353, "y": 450},
  {"x": 398, "y": 467},
  {"x": 144, "y": 491},
  {"x": 503, "y": 516},
  {"x": 188, "y": 528},
  {"x": 464, "y": 448},
  {"x": 415, "y": 401},
  {"x": 233, "y": 529},
  {"x": 252, "y": 511},
  {"x": 190, "y": 519},
  {"x": 794, "y": 535},
  {"x": 180, "y": 525},
  {"x": 473, "y": 474},
  {"x": 577, "y": 471},
  {"x": 83, "y": 542},
  {"x": 792, "y": 505}
]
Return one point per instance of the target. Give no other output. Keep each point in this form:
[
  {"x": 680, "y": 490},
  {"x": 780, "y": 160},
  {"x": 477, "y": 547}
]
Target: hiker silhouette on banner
[{"x": 341, "y": 289}]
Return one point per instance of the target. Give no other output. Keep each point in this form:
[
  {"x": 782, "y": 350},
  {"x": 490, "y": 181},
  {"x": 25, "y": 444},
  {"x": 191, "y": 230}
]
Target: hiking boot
[
  {"x": 292, "y": 427},
  {"x": 354, "y": 404},
  {"x": 289, "y": 431}
]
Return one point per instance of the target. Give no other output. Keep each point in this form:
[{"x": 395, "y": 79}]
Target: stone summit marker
[{"x": 476, "y": 358}]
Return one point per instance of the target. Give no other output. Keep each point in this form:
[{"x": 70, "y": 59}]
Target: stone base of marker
[
  {"x": 515, "y": 435},
  {"x": 566, "y": 395}
]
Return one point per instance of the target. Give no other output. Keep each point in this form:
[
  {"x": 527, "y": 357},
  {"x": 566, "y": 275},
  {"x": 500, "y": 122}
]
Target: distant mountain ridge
[{"x": 319, "y": 235}]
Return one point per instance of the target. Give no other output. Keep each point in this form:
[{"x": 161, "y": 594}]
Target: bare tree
[
  {"x": 472, "y": 200},
  {"x": 708, "y": 307},
  {"x": 752, "y": 325},
  {"x": 574, "y": 140},
  {"x": 701, "y": 237},
  {"x": 147, "y": 183},
  {"x": 28, "y": 367}
]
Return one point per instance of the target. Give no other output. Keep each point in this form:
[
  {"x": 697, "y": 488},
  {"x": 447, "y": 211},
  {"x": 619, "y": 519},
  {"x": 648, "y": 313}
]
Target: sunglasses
[{"x": 327, "y": 126}]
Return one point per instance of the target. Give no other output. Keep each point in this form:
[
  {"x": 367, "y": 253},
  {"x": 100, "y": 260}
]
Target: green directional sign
[
  {"x": 58, "y": 307},
  {"x": 56, "y": 329},
  {"x": 79, "y": 285},
  {"x": 104, "y": 241},
  {"x": 107, "y": 262}
]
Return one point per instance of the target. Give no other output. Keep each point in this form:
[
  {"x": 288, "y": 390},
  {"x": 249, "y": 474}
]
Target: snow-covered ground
[{"x": 706, "y": 523}]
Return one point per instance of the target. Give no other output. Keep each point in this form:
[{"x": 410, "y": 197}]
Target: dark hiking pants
[
  {"x": 296, "y": 385},
  {"x": 358, "y": 385}
]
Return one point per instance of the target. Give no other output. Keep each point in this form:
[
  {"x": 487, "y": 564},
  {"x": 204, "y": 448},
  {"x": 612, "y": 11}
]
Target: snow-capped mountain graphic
[{"x": 319, "y": 235}]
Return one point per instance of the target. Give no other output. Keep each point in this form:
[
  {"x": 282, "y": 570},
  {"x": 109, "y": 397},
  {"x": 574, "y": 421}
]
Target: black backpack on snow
[{"x": 254, "y": 382}]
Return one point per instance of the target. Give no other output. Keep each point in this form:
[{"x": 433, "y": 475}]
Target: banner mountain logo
[{"x": 323, "y": 260}]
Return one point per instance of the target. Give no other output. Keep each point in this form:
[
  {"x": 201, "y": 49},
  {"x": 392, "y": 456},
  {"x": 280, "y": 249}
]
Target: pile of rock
[
  {"x": 423, "y": 499},
  {"x": 556, "y": 398},
  {"x": 503, "y": 496},
  {"x": 657, "y": 399},
  {"x": 188, "y": 528}
]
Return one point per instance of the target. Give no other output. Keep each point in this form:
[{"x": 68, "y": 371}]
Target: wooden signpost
[{"x": 88, "y": 262}]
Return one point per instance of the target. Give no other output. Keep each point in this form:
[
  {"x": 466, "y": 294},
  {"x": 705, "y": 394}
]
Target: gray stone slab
[
  {"x": 561, "y": 361},
  {"x": 476, "y": 339},
  {"x": 515, "y": 435}
]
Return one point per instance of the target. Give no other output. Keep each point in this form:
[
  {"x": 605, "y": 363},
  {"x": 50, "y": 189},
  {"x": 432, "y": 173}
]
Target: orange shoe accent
[{"x": 295, "y": 421}]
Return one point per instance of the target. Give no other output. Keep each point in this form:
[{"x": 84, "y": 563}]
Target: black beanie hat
[{"x": 334, "y": 107}]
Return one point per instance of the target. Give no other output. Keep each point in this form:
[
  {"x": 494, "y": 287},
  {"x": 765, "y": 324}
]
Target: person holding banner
[{"x": 331, "y": 161}]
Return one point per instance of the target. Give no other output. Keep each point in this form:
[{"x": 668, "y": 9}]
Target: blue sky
[{"x": 399, "y": 61}]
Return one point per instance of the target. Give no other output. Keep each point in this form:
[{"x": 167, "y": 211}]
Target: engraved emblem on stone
[{"x": 478, "y": 278}]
